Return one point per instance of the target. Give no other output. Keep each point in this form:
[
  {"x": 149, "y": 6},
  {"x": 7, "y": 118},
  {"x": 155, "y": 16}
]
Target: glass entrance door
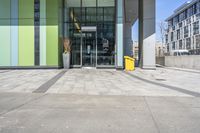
[{"x": 89, "y": 49}]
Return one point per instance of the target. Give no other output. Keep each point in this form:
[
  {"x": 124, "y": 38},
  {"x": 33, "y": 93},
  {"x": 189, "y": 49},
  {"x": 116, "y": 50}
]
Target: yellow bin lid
[{"x": 130, "y": 58}]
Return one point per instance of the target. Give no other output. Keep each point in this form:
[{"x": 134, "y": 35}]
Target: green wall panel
[
  {"x": 52, "y": 45},
  {"x": 26, "y": 33},
  {"x": 26, "y": 9},
  {"x": 5, "y": 44},
  {"x": 4, "y": 9},
  {"x": 52, "y": 32}
]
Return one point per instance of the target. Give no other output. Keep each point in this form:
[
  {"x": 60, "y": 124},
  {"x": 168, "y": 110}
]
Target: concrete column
[
  {"x": 120, "y": 34},
  {"x": 147, "y": 35},
  {"x": 128, "y": 43}
]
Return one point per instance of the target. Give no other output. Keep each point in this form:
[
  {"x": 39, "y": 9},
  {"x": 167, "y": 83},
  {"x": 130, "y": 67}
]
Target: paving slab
[
  {"x": 107, "y": 82},
  {"x": 59, "y": 113},
  {"x": 176, "y": 115},
  {"x": 25, "y": 81}
]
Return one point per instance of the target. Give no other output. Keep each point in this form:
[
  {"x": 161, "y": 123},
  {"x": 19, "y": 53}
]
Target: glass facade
[
  {"x": 33, "y": 34},
  {"x": 90, "y": 25}
]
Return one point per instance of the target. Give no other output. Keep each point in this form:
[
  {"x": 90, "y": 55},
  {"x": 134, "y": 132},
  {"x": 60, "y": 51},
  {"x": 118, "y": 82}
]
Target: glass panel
[
  {"x": 89, "y": 49},
  {"x": 109, "y": 14},
  {"x": 76, "y": 49},
  {"x": 73, "y": 3},
  {"x": 100, "y": 14},
  {"x": 103, "y": 17},
  {"x": 106, "y": 36},
  {"x": 89, "y": 3},
  {"x": 72, "y": 29},
  {"x": 91, "y": 15},
  {"x": 106, "y": 3}
]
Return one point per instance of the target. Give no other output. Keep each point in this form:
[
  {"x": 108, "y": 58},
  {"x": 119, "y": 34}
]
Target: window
[
  {"x": 182, "y": 16},
  {"x": 180, "y": 24},
  {"x": 194, "y": 8},
  {"x": 175, "y": 20},
  {"x": 186, "y": 31},
  {"x": 178, "y": 34},
  {"x": 198, "y": 7},
  {"x": 168, "y": 47},
  {"x": 188, "y": 43},
  {"x": 170, "y": 23},
  {"x": 166, "y": 38},
  {"x": 172, "y": 36},
  {"x": 173, "y": 46},
  {"x": 198, "y": 41},
  {"x": 196, "y": 28},
  {"x": 180, "y": 44},
  {"x": 190, "y": 11},
  {"x": 188, "y": 21}
]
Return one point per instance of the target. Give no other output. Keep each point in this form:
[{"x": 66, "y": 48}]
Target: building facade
[
  {"x": 32, "y": 32},
  {"x": 183, "y": 31}
]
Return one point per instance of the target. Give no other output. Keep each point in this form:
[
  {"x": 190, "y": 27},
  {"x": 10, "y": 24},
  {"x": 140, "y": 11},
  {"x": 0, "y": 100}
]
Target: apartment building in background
[{"x": 183, "y": 32}]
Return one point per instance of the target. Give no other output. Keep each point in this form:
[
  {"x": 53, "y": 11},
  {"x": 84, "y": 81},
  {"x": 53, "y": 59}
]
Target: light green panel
[
  {"x": 5, "y": 44},
  {"x": 52, "y": 32},
  {"x": 52, "y": 45},
  {"x": 26, "y": 33}
]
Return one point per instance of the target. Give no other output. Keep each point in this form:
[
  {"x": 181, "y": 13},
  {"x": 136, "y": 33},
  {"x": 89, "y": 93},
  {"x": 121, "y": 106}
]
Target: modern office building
[
  {"x": 183, "y": 31},
  {"x": 32, "y": 32}
]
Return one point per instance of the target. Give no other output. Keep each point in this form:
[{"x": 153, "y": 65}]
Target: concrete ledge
[
  {"x": 149, "y": 67},
  {"x": 189, "y": 62}
]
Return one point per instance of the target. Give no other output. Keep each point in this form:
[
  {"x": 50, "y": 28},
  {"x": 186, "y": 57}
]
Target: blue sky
[{"x": 164, "y": 8}]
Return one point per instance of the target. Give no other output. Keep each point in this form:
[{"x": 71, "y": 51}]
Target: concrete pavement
[
  {"x": 58, "y": 113},
  {"x": 100, "y": 101}
]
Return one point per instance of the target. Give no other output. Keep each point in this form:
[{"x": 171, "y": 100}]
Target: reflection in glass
[
  {"x": 86, "y": 45},
  {"x": 106, "y": 3},
  {"x": 88, "y": 3},
  {"x": 89, "y": 49}
]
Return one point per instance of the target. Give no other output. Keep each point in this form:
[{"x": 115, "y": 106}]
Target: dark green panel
[{"x": 26, "y": 9}]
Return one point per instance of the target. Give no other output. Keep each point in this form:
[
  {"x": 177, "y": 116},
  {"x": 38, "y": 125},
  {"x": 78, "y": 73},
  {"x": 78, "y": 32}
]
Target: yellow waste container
[{"x": 129, "y": 63}]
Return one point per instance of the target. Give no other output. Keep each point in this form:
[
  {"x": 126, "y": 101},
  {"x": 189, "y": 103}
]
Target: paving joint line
[
  {"x": 5, "y": 71},
  {"x": 188, "y": 92},
  {"x": 154, "y": 120},
  {"x": 19, "y": 106},
  {"x": 45, "y": 87}
]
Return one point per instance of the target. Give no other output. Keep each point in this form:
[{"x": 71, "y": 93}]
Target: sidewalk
[
  {"x": 53, "y": 113},
  {"x": 102, "y": 82},
  {"x": 176, "y": 78},
  {"x": 100, "y": 101}
]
